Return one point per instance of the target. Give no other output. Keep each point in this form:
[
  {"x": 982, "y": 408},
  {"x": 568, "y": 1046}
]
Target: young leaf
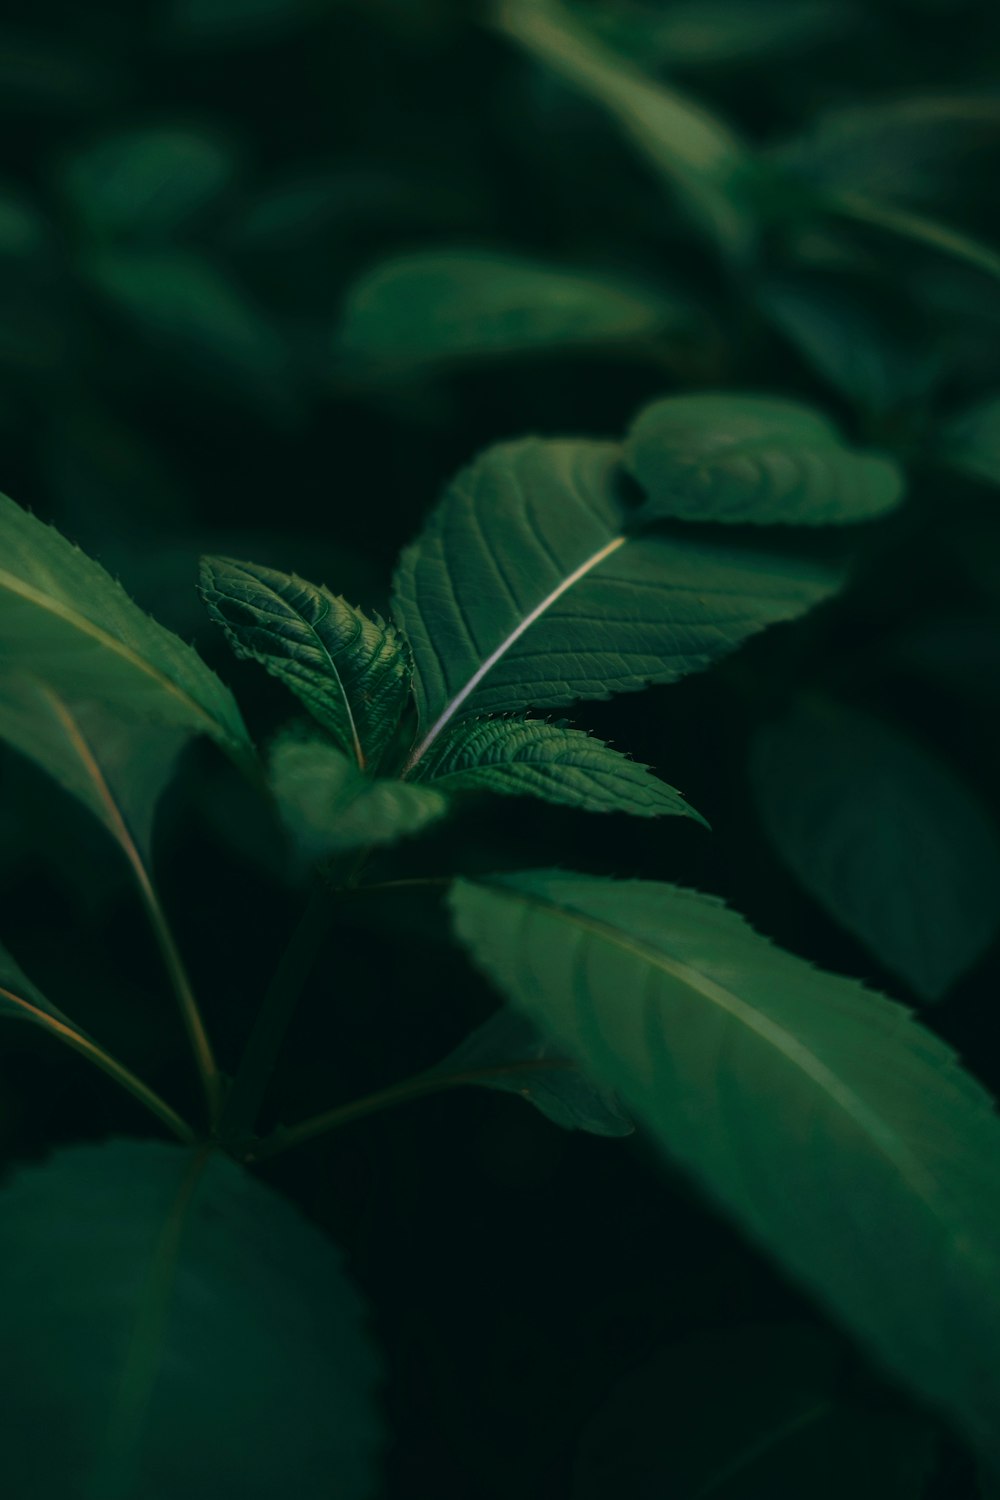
[
  {"x": 697, "y": 154},
  {"x": 757, "y": 1412},
  {"x": 329, "y": 806},
  {"x": 350, "y": 671},
  {"x": 507, "y": 1052},
  {"x": 526, "y": 588},
  {"x": 117, "y": 769},
  {"x": 445, "y": 305},
  {"x": 842, "y": 1135},
  {"x": 535, "y": 758},
  {"x": 886, "y": 837},
  {"x": 183, "y": 1329},
  {"x": 66, "y": 622},
  {"x": 754, "y": 459},
  {"x": 971, "y": 440}
]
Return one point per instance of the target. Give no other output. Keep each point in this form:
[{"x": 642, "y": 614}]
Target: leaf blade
[
  {"x": 350, "y": 670},
  {"x": 128, "y": 1250},
  {"x": 838, "y": 1132},
  {"x": 533, "y": 757},
  {"x": 754, "y": 459}
]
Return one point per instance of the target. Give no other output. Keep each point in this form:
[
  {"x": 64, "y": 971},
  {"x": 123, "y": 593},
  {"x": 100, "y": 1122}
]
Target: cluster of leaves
[{"x": 171, "y": 288}]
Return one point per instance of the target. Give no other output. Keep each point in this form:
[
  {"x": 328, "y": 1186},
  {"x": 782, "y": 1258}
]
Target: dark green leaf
[
  {"x": 886, "y": 836},
  {"x": 722, "y": 33},
  {"x": 837, "y": 1131},
  {"x": 971, "y": 440},
  {"x": 525, "y": 589},
  {"x": 329, "y": 806},
  {"x": 445, "y": 305},
  {"x": 754, "y": 459},
  {"x": 64, "y": 621},
  {"x": 182, "y": 1329},
  {"x": 146, "y": 182},
  {"x": 117, "y": 769},
  {"x": 19, "y": 998},
  {"x": 183, "y": 307},
  {"x": 535, "y": 758},
  {"x": 508, "y": 1053},
  {"x": 759, "y": 1412},
  {"x": 698, "y": 155},
  {"x": 350, "y": 671}
]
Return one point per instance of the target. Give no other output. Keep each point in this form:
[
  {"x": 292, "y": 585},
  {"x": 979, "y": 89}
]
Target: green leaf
[
  {"x": 911, "y": 150},
  {"x": 184, "y": 308},
  {"x": 696, "y": 153},
  {"x": 757, "y": 1412},
  {"x": 526, "y": 589},
  {"x": 65, "y": 621},
  {"x": 847, "y": 346},
  {"x": 436, "y": 305},
  {"x": 146, "y": 182},
  {"x": 329, "y": 806},
  {"x": 886, "y": 836},
  {"x": 754, "y": 459},
  {"x": 971, "y": 440},
  {"x": 722, "y": 33},
  {"x": 535, "y": 758},
  {"x": 508, "y": 1053},
  {"x": 918, "y": 228},
  {"x": 115, "y": 768},
  {"x": 350, "y": 671},
  {"x": 839, "y": 1133},
  {"x": 183, "y": 1330}
]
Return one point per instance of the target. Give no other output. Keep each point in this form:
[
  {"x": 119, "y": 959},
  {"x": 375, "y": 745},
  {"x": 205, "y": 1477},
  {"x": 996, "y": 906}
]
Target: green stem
[
  {"x": 418, "y": 1087},
  {"x": 275, "y": 1015},
  {"x": 82, "y": 1043}
]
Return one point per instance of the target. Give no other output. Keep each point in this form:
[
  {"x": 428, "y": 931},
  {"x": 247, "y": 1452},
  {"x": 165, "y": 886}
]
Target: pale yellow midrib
[{"x": 86, "y": 627}]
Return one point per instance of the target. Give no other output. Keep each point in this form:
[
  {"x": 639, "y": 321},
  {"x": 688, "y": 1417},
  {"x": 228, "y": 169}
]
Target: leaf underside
[{"x": 837, "y": 1131}]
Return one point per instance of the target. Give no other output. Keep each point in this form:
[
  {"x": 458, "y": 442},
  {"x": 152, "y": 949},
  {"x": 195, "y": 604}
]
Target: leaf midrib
[
  {"x": 500, "y": 651},
  {"x": 118, "y": 648},
  {"x": 789, "y": 1046}
]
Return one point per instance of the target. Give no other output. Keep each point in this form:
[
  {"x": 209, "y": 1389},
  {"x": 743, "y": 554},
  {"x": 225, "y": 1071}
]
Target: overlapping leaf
[
  {"x": 182, "y": 1329},
  {"x": 526, "y": 588},
  {"x": 329, "y": 806},
  {"x": 754, "y": 459},
  {"x": 510, "y": 1054},
  {"x": 64, "y": 621},
  {"x": 349, "y": 670},
  {"x": 535, "y": 758},
  {"x": 842, "y": 1135}
]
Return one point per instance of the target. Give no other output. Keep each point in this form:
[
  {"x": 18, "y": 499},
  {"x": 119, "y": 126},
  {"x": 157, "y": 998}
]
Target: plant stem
[
  {"x": 115, "y": 822},
  {"x": 418, "y": 1087},
  {"x": 208, "y": 1071},
  {"x": 274, "y": 1017},
  {"x": 82, "y": 1043}
]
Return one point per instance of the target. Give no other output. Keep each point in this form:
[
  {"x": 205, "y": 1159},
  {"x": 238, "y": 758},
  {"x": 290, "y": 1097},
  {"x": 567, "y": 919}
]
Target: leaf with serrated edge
[
  {"x": 329, "y": 806},
  {"x": 526, "y": 589},
  {"x": 64, "y": 620},
  {"x": 841, "y": 1134},
  {"x": 754, "y": 459},
  {"x": 349, "y": 670},
  {"x": 535, "y": 758},
  {"x": 508, "y": 1053},
  {"x": 150, "y": 1291}
]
